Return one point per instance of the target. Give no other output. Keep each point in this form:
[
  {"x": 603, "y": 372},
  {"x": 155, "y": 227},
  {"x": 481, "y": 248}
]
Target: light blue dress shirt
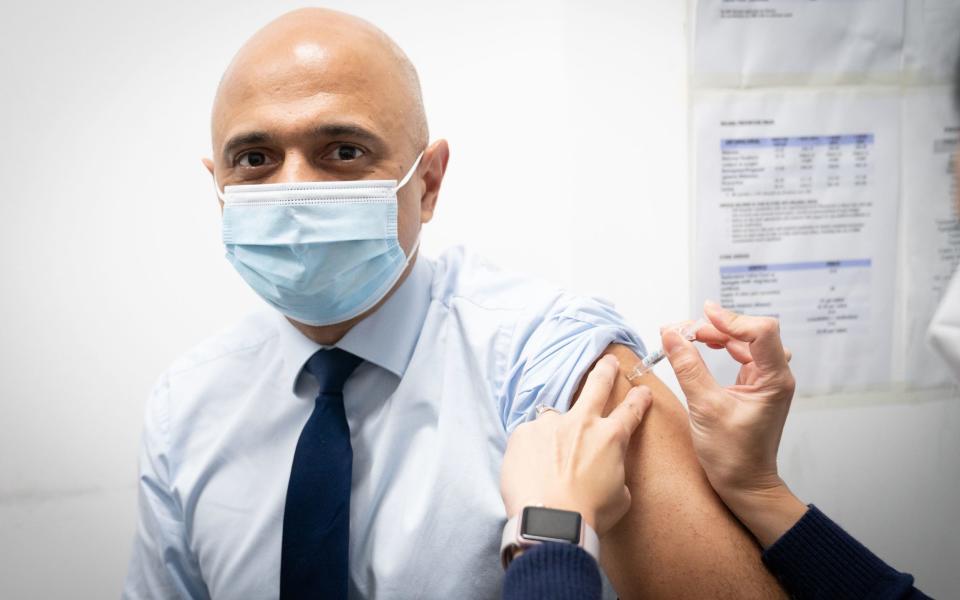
[{"x": 458, "y": 357}]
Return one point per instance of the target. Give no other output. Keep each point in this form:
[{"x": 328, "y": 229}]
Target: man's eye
[
  {"x": 345, "y": 152},
  {"x": 252, "y": 159}
]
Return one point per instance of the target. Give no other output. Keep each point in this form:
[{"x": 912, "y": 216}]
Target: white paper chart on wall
[
  {"x": 749, "y": 43},
  {"x": 822, "y": 181},
  {"x": 931, "y": 232}
]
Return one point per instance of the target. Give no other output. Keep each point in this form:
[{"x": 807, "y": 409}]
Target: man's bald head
[{"x": 327, "y": 65}]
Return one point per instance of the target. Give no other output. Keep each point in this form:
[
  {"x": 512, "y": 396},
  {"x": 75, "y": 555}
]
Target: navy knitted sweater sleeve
[
  {"x": 553, "y": 570},
  {"x": 816, "y": 558}
]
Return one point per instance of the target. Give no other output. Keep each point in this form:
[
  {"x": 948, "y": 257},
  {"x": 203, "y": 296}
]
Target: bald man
[{"x": 347, "y": 439}]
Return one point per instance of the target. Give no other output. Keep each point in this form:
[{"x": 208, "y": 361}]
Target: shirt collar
[{"x": 385, "y": 338}]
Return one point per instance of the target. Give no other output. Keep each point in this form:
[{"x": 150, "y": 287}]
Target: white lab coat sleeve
[{"x": 161, "y": 563}]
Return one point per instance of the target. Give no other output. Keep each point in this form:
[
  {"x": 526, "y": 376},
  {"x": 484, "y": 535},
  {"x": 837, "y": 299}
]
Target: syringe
[{"x": 687, "y": 329}]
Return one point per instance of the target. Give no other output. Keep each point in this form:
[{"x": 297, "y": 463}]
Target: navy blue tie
[{"x": 316, "y": 520}]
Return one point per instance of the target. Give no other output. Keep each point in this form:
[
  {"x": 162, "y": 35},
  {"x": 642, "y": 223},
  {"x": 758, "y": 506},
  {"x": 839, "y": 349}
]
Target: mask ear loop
[
  {"x": 413, "y": 169},
  {"x": 216, "y": 186},
  {"x": 403, "y": 182}
]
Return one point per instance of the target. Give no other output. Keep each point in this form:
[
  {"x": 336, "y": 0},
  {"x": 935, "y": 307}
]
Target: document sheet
[
  {"x": 797, "y": 200},
  {"x": 822, "y": 137},
  {"x": 931, "y": 41},
  {"x": 931, "y": 234},
  {"x": 745, "y": 43}
]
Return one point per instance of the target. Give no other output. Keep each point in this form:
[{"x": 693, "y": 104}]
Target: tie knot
[{"x": 332, "y": 368}]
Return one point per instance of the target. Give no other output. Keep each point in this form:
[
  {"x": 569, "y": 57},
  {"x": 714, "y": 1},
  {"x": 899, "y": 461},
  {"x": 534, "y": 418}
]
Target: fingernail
[
  {"x": 711, "y": 305},
  {"x": 612, "y": 360},
  {"x": 646, "y": 399}
]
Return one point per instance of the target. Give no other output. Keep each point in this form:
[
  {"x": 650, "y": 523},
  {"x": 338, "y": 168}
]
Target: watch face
[{"x": 550, "y": 525}]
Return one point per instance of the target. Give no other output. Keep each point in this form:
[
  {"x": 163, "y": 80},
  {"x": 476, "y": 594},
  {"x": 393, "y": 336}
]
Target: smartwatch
[{"x": 537, "y": 524}]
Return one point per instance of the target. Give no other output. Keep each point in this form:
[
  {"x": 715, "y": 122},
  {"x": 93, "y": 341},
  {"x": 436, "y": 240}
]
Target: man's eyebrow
[
  {"x": 244, "y": 139},
  {"x": 347, "y": 130}
]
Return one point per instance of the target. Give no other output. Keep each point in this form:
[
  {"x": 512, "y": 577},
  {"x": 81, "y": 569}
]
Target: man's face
[{"x": 308, "y": 110}]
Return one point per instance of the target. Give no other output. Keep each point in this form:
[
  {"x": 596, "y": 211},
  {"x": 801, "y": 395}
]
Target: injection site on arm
[{"x": 687, "y": 329}]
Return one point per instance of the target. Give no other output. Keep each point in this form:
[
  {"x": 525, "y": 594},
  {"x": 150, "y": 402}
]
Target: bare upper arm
[{"x": 678, "y": 540}]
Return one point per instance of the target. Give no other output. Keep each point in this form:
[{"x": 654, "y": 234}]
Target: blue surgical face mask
[{"x": 319, "y": 252}]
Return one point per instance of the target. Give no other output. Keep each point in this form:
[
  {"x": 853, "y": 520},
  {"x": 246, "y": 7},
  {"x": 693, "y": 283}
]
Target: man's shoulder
[
  {"x": 461, "y": 276},
  {"x": 209, "y": 376},
  {"x": 464, "y": 276},
  {"x": 545, "y": 336},
  {"x": 223, "y": 349}
]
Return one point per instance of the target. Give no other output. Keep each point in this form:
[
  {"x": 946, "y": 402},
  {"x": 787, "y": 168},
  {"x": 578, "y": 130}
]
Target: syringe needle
[{"x": 687, "y": 329}]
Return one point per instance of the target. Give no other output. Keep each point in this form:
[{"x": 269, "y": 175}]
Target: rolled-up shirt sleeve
[
  {"x": 551, "y": 351},
  {"x": 161, "y": 563}
]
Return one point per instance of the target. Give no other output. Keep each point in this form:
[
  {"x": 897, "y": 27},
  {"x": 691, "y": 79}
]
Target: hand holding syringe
[{"x": 688, "y": 330}]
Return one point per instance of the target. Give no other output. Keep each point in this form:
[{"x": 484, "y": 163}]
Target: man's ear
[
  {"x": 434, "y": 165},
  {"x": 209, "y": 165}
]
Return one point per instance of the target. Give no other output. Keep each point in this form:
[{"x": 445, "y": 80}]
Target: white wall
[{"x": 567, "y": 123}]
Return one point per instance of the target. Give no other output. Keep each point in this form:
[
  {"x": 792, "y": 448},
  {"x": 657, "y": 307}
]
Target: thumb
[
  {"x": 629, "y": 413},
  {"x": 692, "y": 373}
]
